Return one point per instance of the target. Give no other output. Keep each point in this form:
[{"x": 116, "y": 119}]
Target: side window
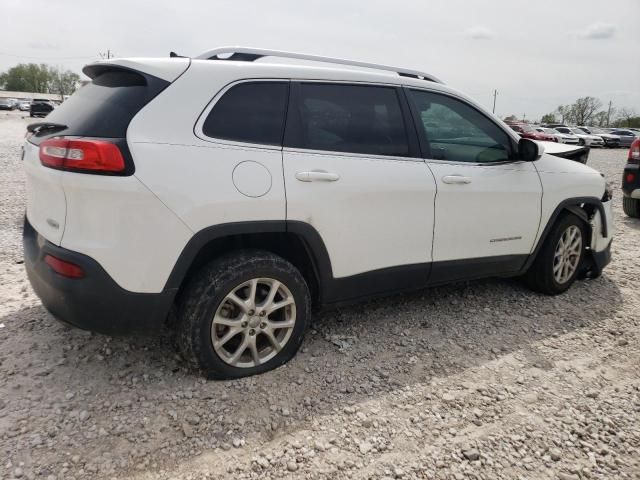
[
  {"x": 352, "y": 119},
  {"x": 458, "y": 132},
  {"x": 252, "y": 112}
]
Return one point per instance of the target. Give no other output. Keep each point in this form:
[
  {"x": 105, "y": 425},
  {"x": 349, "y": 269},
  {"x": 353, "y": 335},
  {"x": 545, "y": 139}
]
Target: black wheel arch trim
[
  {"x": 571, "y": 205},
  {"x": 209, "y": 234},
  {"x": 332, "y": 290},
  {"x": 375, "y": 282},
  {"x": 311, "y": 240}
]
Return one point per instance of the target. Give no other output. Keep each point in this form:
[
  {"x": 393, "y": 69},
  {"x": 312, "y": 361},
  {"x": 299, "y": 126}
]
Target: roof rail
[{"x": 247, "y": 54}]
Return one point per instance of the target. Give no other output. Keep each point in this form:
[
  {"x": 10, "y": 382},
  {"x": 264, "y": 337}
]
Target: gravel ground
[{"x": 480, "y": 380}]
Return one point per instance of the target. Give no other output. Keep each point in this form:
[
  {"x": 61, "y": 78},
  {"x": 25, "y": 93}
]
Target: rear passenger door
[{"x": 353, "y": 173}]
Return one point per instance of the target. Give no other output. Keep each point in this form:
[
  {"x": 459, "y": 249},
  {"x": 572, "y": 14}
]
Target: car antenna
[{"x": 175, "y": 55}]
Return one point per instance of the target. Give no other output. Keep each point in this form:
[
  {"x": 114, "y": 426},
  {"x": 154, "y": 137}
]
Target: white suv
[{"x": 241, "y": 193}]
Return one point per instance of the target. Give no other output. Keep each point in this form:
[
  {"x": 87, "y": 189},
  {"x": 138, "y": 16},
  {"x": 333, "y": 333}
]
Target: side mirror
[{"x": 529, "y": 151}]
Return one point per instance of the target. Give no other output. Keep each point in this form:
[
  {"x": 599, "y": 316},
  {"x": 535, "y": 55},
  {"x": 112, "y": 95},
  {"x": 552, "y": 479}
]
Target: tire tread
[
  {"x": 202, "y": 290},
  {"x": 539, "y": 277},
  {"x": 631, "y": 207}
]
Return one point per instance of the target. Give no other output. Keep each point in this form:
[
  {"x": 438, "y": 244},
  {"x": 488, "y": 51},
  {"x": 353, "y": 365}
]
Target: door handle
[
  {"x": 456, "y": 179},
  {"x": 317, "y": 176}
]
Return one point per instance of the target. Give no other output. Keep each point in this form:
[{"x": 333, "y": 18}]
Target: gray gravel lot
[{"x": 480, "y": 380}]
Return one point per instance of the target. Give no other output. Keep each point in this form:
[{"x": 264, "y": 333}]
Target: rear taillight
[
  {"x": 82, "y": 155},
  {"x": 61, "y": 267},
  {"x": 634, "y": 152}
]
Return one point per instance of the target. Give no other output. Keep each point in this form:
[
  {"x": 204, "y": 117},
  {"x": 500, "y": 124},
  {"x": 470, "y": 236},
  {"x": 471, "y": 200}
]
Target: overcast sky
[{"x": 537, "y": 54}]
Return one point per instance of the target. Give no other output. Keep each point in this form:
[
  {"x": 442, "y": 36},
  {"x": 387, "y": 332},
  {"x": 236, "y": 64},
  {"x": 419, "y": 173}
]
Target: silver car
[
  {"x": 610, "y": 140},
  {"x": 562, "y": 137},
  {"x": 626, "y": 136}
]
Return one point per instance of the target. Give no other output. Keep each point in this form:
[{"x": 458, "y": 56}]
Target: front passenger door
[{"x": 487, "y": 208}]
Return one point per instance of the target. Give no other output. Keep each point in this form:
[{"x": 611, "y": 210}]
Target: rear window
[
  {"x": 252, "y": 112},
  {"x": 106, "y": 106}
]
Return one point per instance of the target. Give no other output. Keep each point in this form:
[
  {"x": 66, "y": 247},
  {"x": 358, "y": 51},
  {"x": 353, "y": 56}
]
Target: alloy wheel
[
  {"x": 253, "y": 323},
  {"x": 567, "y": 254}
]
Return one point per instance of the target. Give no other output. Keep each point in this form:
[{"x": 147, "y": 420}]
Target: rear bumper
[{"x": 95, "y": 302}]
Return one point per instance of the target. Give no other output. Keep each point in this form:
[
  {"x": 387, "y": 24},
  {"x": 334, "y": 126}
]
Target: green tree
[
  {"x": 26, "y": 77},
  {"x": 563, "y": 111},
  {"x": 548, "y": 118},
  {"x": 63, "y": 82},
  {"x": 600, "y": 119},
  {"x": 584, "y": 109},
  {"x": 626, "y": 117},
  {"x": 31, "y": 77}
]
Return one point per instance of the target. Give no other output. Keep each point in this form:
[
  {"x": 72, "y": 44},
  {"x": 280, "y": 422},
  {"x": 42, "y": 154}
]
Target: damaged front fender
[{"x": 575, "y": 153}]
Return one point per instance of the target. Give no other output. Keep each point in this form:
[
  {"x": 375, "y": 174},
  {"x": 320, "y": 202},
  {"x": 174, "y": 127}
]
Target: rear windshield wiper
[{"x": 41, "y": 126}]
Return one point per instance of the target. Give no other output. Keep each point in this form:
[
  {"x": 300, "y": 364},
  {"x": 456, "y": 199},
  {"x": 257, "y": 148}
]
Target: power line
[{"x": 4, "y": 54}]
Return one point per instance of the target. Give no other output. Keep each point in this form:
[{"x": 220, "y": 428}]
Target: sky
[{"x": 536, "y": 54}]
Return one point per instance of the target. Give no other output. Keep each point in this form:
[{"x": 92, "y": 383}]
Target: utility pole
[
  {"x": 495, "y": 94},
  {"x": 609, "y": 113},
  {"x": 524, "y": 117}
]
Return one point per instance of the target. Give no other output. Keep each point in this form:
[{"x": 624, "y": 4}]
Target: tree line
[
  {"x": 588, "y": 111},
  {"x": 42, "y": 78}
]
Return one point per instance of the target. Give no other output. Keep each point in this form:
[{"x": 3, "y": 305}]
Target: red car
[{"x": 527, "y": 131}]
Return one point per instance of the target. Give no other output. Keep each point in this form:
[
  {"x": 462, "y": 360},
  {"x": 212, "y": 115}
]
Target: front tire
[
  {"x": 559, "y": 261},
  {"x": 631, "y": 207},
  {"x": 243, "y": 314}
]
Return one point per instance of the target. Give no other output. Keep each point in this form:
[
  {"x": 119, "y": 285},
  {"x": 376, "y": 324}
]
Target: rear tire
[
  {"x": 230, "y": 324},
  {"x": 557, "y": 266},
  {"x": 631, "y": 207}
]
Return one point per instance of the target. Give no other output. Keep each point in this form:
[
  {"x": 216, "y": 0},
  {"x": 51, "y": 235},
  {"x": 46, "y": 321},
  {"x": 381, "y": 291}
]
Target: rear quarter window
[{"x": 250, "y": 112}]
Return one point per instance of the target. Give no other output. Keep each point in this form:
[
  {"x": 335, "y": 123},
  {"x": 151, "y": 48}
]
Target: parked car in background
[
  {"x": 560, "y": 137},
  {"x": 24, "y": 106},
  {"x": 631, "y": 181},
  {"x": 527, "y": 131},
  {"x": 40, "y": 107},
  {"x": 627, "y": 136},
  {"x": 286, "y": 220},
  {"x": 583, "y": 138},
  {"x": 7, "y": 104},
  {"x": 610, "y": 140}
]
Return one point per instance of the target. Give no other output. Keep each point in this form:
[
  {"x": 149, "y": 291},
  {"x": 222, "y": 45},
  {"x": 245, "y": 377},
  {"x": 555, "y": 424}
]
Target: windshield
[
  {"x": 549, "y": 130},
  {"x": 577, "y": 131}
]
